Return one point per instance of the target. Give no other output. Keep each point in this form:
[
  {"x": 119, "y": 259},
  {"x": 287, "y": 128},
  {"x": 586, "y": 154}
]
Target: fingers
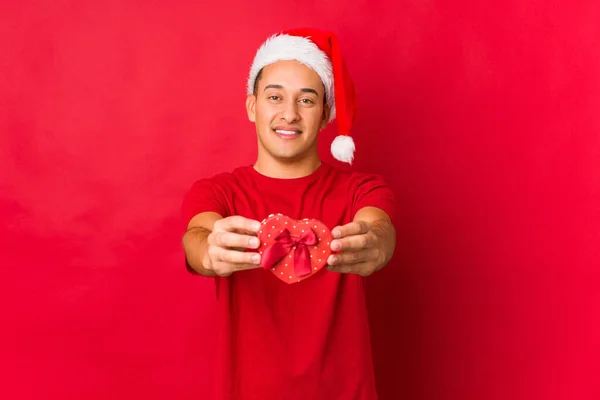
[
  {"x": 353, "y": 228},
  {"x": 353, "y": 243},
  {"x": 233, "y": 240},
  {"x": 354, "y": 257},
  {"x": 219, "y": 254},
  {"x": 224, "y": 269},
  {"x": 225, "y": 261},
  {"x": 227, "y": 242},
  {"x": 237, "y": 223}
]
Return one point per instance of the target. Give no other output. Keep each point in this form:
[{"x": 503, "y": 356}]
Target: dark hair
[{"x": 259, "y": 75}]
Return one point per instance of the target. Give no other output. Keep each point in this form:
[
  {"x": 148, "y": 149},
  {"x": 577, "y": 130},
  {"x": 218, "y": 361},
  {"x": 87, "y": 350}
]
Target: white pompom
[{"x": 343, "y": 148}]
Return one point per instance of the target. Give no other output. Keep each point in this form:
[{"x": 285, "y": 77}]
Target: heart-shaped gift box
[{"x": 293, "y": 250}]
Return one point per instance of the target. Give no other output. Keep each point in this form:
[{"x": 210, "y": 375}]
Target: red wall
[{"x": 484, "y": 119}]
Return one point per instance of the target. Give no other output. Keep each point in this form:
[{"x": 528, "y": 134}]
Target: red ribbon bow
[{"x": 284, "y": 243}]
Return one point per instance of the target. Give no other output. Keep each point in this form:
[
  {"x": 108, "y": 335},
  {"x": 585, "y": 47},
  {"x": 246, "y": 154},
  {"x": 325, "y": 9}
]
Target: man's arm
[
  {"x": 195, "y": 241},
  {"x": 366, "y": 244},
  {"x": 214, "y": 246},
  {"x": 382, "y": 227}
]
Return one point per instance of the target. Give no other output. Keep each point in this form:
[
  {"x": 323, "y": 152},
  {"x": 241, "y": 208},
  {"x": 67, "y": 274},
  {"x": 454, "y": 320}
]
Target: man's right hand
[{"x": 226, "y": 244}]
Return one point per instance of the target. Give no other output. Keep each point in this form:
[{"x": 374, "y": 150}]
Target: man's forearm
[
  {"x": 195, "y": 245},
  {"x": 381, "y": 226},
  {"x": 385, "y": 232}
]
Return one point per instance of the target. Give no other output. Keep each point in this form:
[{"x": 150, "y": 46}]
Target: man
[{"x": 307, "y": 340}]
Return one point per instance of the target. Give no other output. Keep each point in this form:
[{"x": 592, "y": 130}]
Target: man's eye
[
  {"x": 274, "y": 97},
  {"x": 306, "y": 101}
]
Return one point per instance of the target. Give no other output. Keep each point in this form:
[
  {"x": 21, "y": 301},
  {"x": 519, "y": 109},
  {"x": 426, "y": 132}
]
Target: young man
[{"x": 307, "y": 340}]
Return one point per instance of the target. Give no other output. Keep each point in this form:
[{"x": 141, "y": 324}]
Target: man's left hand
[{"x": 360, "y": 249}]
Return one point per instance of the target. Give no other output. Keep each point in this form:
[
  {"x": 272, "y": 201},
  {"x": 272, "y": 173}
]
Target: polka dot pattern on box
[{"x": 297, "y": 232}]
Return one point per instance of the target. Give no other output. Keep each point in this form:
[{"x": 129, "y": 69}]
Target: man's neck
[{"x": 281, "y": 170}]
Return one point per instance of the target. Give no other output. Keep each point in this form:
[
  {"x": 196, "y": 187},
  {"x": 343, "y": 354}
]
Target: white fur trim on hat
[
  {"x": 303, "y": 50},
  {"x": 343, "y": 148}
]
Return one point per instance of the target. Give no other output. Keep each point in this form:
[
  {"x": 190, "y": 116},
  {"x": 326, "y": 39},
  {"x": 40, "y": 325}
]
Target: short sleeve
[
  {"x": 372, "y": 191},
  {"x": 203, "y": 196}
]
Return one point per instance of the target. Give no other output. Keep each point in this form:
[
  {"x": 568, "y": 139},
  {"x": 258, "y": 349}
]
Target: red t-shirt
[{"x": 307, "y": 340}]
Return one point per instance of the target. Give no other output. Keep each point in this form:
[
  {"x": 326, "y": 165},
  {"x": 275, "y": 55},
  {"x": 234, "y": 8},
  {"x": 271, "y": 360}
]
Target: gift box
[{"x": 294, "y": 250}]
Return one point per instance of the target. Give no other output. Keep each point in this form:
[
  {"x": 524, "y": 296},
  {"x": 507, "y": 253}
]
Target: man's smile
[{"x": 287, "y": 132}]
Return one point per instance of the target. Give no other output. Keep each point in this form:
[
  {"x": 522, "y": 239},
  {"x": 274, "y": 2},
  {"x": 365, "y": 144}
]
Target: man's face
[{"x": 288, "y": 110}]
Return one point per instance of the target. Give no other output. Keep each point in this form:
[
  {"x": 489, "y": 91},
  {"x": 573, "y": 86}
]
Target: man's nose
[{"x": 290, "y": 112}]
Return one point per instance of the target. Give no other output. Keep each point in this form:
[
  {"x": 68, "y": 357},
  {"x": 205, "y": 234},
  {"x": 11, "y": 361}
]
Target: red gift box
[{"x": 294, "y": 250}]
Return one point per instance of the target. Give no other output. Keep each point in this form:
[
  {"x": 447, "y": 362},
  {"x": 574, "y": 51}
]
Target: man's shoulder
[
  {"x": 352, "y": 178},
  {"x": 225, "y": 178}
]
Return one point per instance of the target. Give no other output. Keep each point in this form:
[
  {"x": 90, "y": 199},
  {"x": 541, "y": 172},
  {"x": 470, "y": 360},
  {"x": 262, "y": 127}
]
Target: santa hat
[{"x": 320, "y": 51}]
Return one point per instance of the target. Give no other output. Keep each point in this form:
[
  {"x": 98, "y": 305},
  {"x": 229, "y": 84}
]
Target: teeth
[{"x": 282, "y": 132}]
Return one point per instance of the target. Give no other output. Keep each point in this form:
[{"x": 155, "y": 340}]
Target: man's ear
[
  {"x": 326, "y": 114},
  {"x": 251, "y": 107}
]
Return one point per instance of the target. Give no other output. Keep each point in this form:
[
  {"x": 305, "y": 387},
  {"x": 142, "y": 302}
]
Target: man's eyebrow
[
  {"x": 305, "y": 90},
  {"x": 309, "y": 90}
]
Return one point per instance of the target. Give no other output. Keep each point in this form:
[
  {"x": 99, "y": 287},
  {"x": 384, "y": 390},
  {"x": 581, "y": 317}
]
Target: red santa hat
[{"x": 320, "y": 51}]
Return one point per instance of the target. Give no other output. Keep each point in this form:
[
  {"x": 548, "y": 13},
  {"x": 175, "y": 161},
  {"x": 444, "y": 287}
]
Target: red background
[{"x": 483, "y": 116}]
